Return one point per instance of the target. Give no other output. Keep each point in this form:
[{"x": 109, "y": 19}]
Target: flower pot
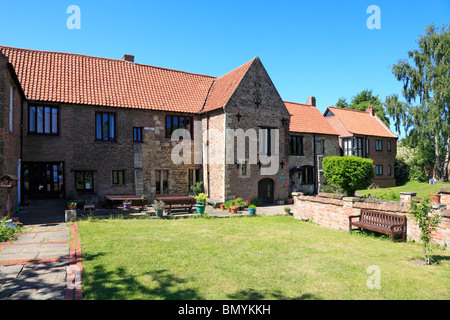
[
  {"x": 72, "y": 207},
  {"x": 234, "y": 209},
  {"x": 222, "y": 207},
  {"x": 280, "y": 201},
  {"x": 287, "y": 211},
  {"x": 228, "y": 209},
  {"x": 159, "y": 212},
  {"x": 200, "y": 208},
  {"x": 252, "y": 211},
  {"x": 289, "y": 200},
  {"x": 435, "y": 198},
  {"x": 127, "y": 205}
]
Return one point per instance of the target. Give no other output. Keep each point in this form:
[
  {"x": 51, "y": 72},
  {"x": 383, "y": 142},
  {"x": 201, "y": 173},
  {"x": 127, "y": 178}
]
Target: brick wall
[
  {"x": 333, "y": 213},
  {"x": 9, "y": 141}
]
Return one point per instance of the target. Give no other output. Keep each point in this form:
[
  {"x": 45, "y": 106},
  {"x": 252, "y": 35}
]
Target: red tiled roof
[
  {"x": 224, "y": 86},
  {"x": 79, "y": 79},
  {"x": 307, "y": 119},
  {"x": 362, "y": 122}
]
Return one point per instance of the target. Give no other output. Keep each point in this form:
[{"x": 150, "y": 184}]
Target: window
[
  {"x": 118, "y": 177},
  {"x": 84, "y": 181},
  {"x": 358, "y": 149},
  {"x": 11, "y": 98},
  {"x": 194, "y": 176},
  {"x": 389, "y": 170},
  {"x": 265, "y": 141},
  {"x": 43, "y": 120},
  {"x": 137, "y": 134},
  {"x": 367, "y": 146},
  {"x": 244, "y": 169},
  {"x": 296, "y": 145},
  {"x": 379, "y": 145},
  {"x": 162, "y": 181},
  {"x": 178, "y": 122},
  {"x": 105, "y": 126},
  {"x": 308, "y": 175},
  {"x": 389, "y": 146},
  {"x": 323, "y": 145},
  {"x": 347, "y": 143},
  {"x": 379, "y": 170}
]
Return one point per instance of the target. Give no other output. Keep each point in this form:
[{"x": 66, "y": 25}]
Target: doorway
[
  {"x": 265, "y": 190},
  {"x": 43, "y": 180}
]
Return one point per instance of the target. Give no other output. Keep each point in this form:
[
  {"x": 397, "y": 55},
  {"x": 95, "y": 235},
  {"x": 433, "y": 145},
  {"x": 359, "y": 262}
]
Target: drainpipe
[{"x": 315, "y": 164}]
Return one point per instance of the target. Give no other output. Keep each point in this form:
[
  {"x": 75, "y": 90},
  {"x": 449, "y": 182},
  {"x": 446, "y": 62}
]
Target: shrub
[
  {"x": 256, "y": 201},
  {"x": 8, "y": 230},
  {"x": 252, "y": 206},
  {"x": 349, "y": 173},
  {"x": 401, "y": 172}
]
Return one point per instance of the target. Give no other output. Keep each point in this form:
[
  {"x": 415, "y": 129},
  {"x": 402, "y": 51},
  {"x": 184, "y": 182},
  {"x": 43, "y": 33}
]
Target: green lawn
[
  {"x": 421, "y": 188},
  {"x": 275, "y": 257}
]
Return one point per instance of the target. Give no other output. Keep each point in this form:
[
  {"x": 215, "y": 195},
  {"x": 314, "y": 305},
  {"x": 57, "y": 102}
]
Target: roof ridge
[
  {"x": 338, "y": 108},
  {"x": 110, "y": 59},
  {"x": 303, "y": 104}
]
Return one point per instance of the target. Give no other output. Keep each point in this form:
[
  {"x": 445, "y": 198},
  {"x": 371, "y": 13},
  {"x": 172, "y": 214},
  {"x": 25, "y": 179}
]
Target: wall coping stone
[{"x": 444, "y": 190}]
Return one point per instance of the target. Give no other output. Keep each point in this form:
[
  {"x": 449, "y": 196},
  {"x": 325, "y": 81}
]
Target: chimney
[
  {"x": 311, "y": 101},
  {"x": 128, "y": 58},
  {"x": 370, "y": 110}
]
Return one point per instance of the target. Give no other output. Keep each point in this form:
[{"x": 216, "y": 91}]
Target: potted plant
[
  {"x": 222, "y": 206},
  {"x": 228, "y": 205},
  {"x": 289, "y": 200},
  {"x": 201, "y": 203},
  {"x": 159, "y": 206},
  {"x": 252, "y": 209},
  {"x": 127, "y": 204},
  {"x": 435, "y": 198},
  {"x": 234, "y": 207},
  {"x": 280, "y": 201},
  {"x": 287, "y": 210},
  {"x": 72, "y": 205}
]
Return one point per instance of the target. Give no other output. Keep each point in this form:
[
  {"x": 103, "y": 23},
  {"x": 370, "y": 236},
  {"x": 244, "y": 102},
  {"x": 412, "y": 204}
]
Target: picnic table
[
  {"x": 176, "y": 201},
  {"x": 132, "y": 197}
]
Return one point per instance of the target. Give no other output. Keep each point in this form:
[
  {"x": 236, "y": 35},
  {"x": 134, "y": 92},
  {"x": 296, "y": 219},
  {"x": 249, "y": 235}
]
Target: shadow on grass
[
  {"x": 118, "y": 284},
  {"x": 252, "y": 294}
]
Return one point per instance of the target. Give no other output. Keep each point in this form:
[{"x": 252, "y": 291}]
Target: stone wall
[
  {"x": 9, "y": 140},
  {"x": 332, "y": 211}
]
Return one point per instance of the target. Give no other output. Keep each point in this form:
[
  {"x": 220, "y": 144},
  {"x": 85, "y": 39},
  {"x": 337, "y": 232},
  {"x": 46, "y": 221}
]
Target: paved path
[{"x": 42, "y": 264}]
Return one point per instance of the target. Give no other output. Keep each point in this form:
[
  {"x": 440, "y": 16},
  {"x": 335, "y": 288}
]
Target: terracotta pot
[
  {"x": 222, "y": 207},
  {"x": 435, "y": 198},
  {"x": 289, "y": 200},
  {"x": 234, "y": 209}
]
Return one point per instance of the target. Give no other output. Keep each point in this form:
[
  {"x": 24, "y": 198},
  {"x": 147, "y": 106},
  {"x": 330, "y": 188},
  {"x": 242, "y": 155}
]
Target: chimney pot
[
  {"x": 128, "y": 57},
  {"x": 311, "y": 101},
  {"x": 370, "y": 110}
]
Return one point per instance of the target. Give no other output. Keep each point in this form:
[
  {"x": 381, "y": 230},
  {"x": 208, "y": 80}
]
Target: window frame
[
  {"x": 389, "y": 170},
  {"x": 11, "y": 107},
  {"x": 358, "y": 149},
  {"x": 117, "y": 172},
  {"x": 379, "y": 170},
  {"x": 298, "y": 144},
  {"x": 109, "y": 115},
  {"x": 379, "y": 145},
  {"x": 171, "y": 117},
  {"x": 348, "y": 149},
  {"x": 84, "y": 172},
  {"x": 389, "y": 146},
  {"x": 159, "y": 176},
  {"x": 367, "y": 147},
  {"x": 138, "y": 130},
  {"x": 36, "y": 124}
]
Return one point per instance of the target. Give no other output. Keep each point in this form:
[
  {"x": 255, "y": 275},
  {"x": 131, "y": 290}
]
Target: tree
[
  {"x": 426, "y": 79},
  {"x": 427, "y": 223},
  {"x": 362, "y": 100},
  {"x": 349, "y": 173}
]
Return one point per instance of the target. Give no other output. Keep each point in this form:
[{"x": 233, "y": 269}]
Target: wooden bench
[
  {"x": 382, "y": 222},
  {"x": 179, "y": 203},
  {"x": 141, "y": 202}
]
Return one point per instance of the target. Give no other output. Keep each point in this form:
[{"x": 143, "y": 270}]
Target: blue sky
[{"x": 309, "y": 48}]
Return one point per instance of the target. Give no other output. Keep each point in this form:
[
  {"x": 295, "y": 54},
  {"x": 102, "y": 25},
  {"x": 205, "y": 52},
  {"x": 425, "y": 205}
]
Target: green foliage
[
  {"x": 349, "y": 173},
  {"x": 425, "y": 116},
  {"x": 256, "y": 201},
  {"x": 386, "y": 195},
  {"x": 427, "y": 223},
  {"x": 7, "y": 231},
  {"x": 201, "y": 198},
  {"x": 401, "y": 172},
  {"x": 197, "y": 187},
  {"x": 252, "y": 206}
]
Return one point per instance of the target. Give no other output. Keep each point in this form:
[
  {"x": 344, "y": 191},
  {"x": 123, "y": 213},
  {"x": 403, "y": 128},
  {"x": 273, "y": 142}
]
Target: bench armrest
[
  {"x": 351, "y": 217},
  {"x": 397, "y": 226}
]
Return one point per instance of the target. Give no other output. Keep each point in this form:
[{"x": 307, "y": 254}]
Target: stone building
[
  {"x": 311, "y": 138},
  {"x": 363, "y": 134}
]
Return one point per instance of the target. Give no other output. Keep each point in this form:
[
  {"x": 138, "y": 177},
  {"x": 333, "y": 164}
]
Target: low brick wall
[{"x": 332, "y": 212}]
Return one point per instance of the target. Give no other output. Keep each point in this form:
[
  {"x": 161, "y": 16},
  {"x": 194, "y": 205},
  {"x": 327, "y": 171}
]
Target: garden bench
[
  {"x": 180, "y": 202},
  {"x": 382, "y": 222},
  {"x": 141, "y": 202}
]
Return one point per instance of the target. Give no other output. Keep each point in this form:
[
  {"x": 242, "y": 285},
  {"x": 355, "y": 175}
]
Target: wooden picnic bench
[
  {"x": 176, "y": 201},
  {"x": 382, "y": 222},
  {"x": 141, "y": 202}
]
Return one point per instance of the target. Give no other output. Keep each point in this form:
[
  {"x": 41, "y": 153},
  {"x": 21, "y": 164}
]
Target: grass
[
  {"x": 275, "y": 257},
  {"x": 421, "y": 188}
]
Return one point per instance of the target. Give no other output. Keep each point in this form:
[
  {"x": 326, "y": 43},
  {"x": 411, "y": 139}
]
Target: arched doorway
[{"x": 265, "y": 190}]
